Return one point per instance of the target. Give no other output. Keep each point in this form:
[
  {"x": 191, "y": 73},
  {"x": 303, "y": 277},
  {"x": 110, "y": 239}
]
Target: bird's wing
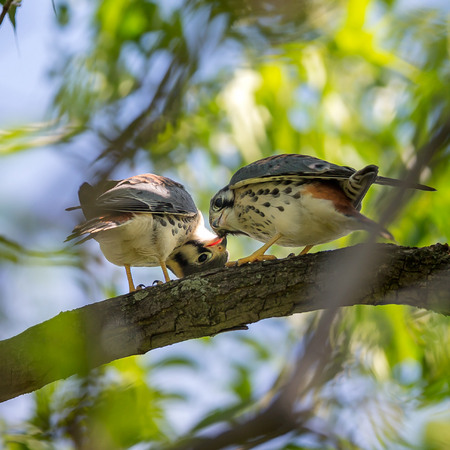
[
  {"x": 88, "y": 194},
  {"x": 289, "y": 167},
  {"x": 294, "y": 167},
  {"x": 141, "y": 193}
]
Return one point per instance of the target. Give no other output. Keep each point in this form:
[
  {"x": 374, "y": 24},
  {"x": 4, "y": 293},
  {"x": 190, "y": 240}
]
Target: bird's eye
[
  {"x": 218, "y": 203},
  {"x": 318, "y": 166},
  {"x": 204, "y": 257}
]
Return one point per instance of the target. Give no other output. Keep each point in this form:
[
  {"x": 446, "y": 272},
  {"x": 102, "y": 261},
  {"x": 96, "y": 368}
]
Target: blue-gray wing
[
  {"x": 289, "y": 167},
  {"x": 141, "y": 193},
  {"x": 303, "y": 167}
]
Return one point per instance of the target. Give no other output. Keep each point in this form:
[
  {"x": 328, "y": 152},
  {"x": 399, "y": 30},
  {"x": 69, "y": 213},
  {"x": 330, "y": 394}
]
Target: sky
[{"x": 24, "y": 59}]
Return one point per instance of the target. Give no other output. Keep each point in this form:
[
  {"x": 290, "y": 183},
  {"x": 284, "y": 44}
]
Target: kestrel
[
  {"x": 148, "y": 220},
  {"x": 296, "y": 200}
]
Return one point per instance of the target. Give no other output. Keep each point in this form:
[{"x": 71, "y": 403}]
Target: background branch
[
  {"x": 79, "y": 340},
  {"x": 5, "y": 10}
]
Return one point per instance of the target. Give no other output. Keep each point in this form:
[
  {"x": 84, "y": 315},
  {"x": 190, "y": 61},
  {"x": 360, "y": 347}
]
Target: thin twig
[{"x": 5, "y": 10}]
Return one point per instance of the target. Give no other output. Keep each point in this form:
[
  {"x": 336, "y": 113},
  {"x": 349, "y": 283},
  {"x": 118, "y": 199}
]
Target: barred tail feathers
[{"x": 358, "y": 184}]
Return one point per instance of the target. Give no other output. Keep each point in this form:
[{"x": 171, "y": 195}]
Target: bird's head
[
  {"x": 197, "y": 256},
  {"x": 220, "y": 208}
]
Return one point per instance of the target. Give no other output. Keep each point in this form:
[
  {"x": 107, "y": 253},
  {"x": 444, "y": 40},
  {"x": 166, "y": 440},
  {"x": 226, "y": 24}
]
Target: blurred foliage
[
  {"x": 112, "y": 408},
  {"x": 31, "y": 136},
  {"x": 13, "y": 252},
  {"x": 196, "y": 89}
]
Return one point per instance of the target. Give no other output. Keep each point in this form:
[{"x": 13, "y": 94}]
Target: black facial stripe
[
  {"x": 181, "y": 260},
  {"x": 197, "y": 244},
  {"x": 227, "y": 196},
  {"x": 227, "y": 203}
]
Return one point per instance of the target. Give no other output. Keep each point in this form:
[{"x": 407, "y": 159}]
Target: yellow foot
[
  {"x": 306, "y": 250},
  {"x": 258, "y": 255},
  {"x": 255, "y": 258},
  {"x": 231, "y": 264}
]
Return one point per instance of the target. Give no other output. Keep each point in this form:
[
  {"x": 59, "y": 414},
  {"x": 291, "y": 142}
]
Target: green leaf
[
  {"x": 12, "y": 15},
  {"x": 242, "y": 384}
]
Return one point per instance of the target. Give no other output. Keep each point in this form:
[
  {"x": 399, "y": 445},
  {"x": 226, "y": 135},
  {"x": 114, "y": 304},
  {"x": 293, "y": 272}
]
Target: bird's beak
[
  {"x": 217, "y": 223},
  {"x": 220, "y": 243}
]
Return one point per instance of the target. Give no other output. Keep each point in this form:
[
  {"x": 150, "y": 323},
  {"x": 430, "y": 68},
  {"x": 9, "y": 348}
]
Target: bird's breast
[
  {"x": 146, "y": 239},
  {"x": 295, "y": 210}
]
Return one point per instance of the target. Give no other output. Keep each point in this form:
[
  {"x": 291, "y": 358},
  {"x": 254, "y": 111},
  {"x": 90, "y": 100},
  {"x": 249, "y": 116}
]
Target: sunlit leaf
[{"x": 31, "y": 136}]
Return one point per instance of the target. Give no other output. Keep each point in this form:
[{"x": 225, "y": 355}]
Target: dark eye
[
  {"x": 218, "y": 203},
  {"x": 318, "y": 166},
  {"x": 203, "y": 257}
]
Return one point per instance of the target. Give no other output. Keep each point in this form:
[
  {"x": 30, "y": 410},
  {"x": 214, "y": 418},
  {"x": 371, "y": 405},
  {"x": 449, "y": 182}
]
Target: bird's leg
[
  {"x": 129, "y": 278},
  {"x": 165, "y": 271},
  {"x": 306, "y": 250},
  {"x": 259, "y": 254}
]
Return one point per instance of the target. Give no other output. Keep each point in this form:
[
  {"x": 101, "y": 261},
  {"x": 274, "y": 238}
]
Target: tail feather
[
  {"x": 372, "y": 226},
  {"x": 76, "y": 235},
  {"x": 93, "y": 226},
  {"x": 386, "y": 181},
  {"x": 358, "y": 184}
]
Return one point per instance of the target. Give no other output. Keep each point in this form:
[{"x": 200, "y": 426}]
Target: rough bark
[{"x": 79, "y": 340}]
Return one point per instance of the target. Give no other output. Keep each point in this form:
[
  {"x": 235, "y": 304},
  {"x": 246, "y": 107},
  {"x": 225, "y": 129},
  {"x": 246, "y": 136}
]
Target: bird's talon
[
  {"x": 231, "y": 264},
  {"x": 255, "y": 258},
  {"x": 140, "y": 286},
  {"x": 157, "y": 283}
]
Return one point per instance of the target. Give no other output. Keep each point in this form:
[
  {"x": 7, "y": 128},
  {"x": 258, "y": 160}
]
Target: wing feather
[
  {"x": 141, "y": 193},
  {"x": 294, "y": 167},
  {"x": 291, "y": 167}
]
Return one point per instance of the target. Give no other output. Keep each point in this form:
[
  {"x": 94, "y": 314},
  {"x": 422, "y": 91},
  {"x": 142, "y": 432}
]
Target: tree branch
[
  {"x": 5, "y": 10},
  {"x": 204, "y": 305}
]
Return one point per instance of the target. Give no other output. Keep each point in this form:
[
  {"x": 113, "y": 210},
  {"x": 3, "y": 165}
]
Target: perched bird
[
  {"x": 148, "y": 220},
  {"x": 296, "y": 200}
]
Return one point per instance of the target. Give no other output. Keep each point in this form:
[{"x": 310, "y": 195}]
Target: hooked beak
[
  {"x": 216, "y": 224},
  {"x": 220, "y": 224}
]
